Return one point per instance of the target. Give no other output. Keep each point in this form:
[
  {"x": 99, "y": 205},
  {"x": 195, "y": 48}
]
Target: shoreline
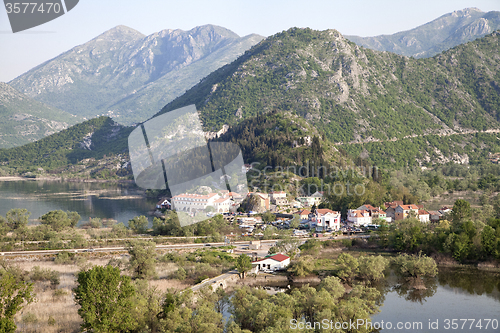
[{"x": 62, "y": 179}]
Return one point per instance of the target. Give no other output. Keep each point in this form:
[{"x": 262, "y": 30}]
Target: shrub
[
  {"x": 30, "y": 318},
  {"x": 200, "y": 279},
  {"x": 180, "y": 274},
  {"x": 51, "y": 321},
  {"x": 64, "y": 258}
]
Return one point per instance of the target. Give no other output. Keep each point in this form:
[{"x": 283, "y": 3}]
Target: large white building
[{"x": 191, "y": 203}]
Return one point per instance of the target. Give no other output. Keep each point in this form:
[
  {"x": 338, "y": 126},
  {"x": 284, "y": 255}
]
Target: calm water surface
[
  {"x": 454, "y": 294},
  {"x": 104, "y": 200}
]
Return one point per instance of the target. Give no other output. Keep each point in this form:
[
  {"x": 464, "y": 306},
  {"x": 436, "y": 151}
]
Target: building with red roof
[{"x": 274, "y": 263}]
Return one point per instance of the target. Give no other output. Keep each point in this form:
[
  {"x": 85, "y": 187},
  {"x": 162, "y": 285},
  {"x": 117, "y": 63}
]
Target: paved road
[{"x": 240, "y": 246}]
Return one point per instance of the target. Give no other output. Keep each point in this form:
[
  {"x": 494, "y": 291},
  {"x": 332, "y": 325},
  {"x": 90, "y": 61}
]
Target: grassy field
[{"x": 55, "y": 310}]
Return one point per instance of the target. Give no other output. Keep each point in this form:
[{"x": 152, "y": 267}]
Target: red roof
[
  {"x": 302, "y": 212},
  {"x": 324, "y": 211},
  {"x": 278, "y": 257}
]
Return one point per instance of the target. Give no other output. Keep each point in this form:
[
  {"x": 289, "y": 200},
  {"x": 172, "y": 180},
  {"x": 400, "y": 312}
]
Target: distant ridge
[
  {"x": 129, "y": 76},
  {"x": 441, "y": 34}
]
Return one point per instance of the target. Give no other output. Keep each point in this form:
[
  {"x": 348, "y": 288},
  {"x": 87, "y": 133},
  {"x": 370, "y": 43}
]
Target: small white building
[
  {"x": 359, "y": 217},
  {"x": 273, "y": 263},
  {"x": 424, "y": 216}
]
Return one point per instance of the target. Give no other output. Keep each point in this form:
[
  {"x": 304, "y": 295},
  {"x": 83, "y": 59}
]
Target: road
[{"x": 241, "y": 246}]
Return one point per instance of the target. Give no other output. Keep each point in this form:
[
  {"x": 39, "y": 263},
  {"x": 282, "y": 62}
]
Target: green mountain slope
[
  {"x": 129, "y": 76},
  {"x": 436, "y": 36},
  {"x": 93, "y": 138},
  {"x": 353, "y": 94},
  {"x": 24, "y": 120}
]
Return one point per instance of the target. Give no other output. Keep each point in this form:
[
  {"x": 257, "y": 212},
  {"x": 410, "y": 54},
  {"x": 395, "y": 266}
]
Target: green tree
[
  {"x": 60, "y": 220},
  {"x": 289, "y": 245},
  {"x": 488, "y": 240},
  {"x": 372, "y": 268},
  {"x": 415, "y": 266},
  {"x": 333, "y": 285},
  {"x": 17, "y": 218},
  {"x": 138, "y": 224},
  {"x": 461, "y": 211},
  {"x": 268, "y": 217},
  {"x": 295, "y": 222},
  {"x": 106, "y": 300},
  {"x": 14, "y": 295},
  {"x": 302, "y": 267},
  {"x": 346, "y": 267},
  {"x": 142, "y": 259},
  {"x": 243, "y": 264}
]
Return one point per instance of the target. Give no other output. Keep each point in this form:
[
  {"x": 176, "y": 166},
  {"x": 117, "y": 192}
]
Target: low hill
[{"x": 95, "y": 138}]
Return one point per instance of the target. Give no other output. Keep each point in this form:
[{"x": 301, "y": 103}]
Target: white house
[
  {"x": 327, "y": 219},
  {"x": 309, "y": 201},
  {"x": 424, "y": 216},
  {"x": 273, "y": 263},
  {"x": 359, "y": 217}
]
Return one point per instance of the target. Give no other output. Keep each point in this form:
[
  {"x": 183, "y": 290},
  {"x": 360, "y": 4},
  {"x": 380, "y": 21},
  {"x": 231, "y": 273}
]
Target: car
[{"x": 208, "y": 245}]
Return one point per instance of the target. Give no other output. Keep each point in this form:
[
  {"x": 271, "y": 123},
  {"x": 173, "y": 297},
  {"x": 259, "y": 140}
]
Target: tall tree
[
  {"x": 142, "y": 259},
  {"x": 106, "y": 300},
  {"x": 461, "y": 211},
  {"x": 138, "y": 224},
  {"x": 17, "y": 218},
  {"x": 243, "y": 264}
]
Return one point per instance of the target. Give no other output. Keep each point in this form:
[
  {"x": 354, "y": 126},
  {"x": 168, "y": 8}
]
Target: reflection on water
[
  {"x": 457, "y": 293},
  {"x": 104, "y": 200}
]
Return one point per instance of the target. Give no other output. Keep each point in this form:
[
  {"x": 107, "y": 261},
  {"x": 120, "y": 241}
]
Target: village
[{"x": 301, "y": 214}]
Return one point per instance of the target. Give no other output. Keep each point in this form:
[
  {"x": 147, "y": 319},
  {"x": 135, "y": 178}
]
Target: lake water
[
  {"x": 456, "y": 294},
  {"x": 104, "y": 200}
]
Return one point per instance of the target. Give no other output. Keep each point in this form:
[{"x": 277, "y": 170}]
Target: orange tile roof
[
  {"x": 324, "y": 211},
  {"x": 194, "y": 196}
]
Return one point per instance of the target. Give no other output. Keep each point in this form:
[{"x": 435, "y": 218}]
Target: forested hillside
[
  {"x": 352, "y": 94},
  {"x": 91, "y": 139}
]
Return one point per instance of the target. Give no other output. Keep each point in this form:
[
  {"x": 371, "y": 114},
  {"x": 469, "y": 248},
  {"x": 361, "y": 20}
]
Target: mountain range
[
  {"x": 24, "y": 120},
  {"x": 299, "y": 84},
  {"x": 441, "y": 34},
  {"x": 385, "y": 107},
  {"x": 129, "y": 76}
]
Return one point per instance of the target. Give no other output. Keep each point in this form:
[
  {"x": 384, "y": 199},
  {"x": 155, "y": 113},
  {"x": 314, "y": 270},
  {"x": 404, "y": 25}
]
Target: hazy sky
[{"x": 22, "y": 51}]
